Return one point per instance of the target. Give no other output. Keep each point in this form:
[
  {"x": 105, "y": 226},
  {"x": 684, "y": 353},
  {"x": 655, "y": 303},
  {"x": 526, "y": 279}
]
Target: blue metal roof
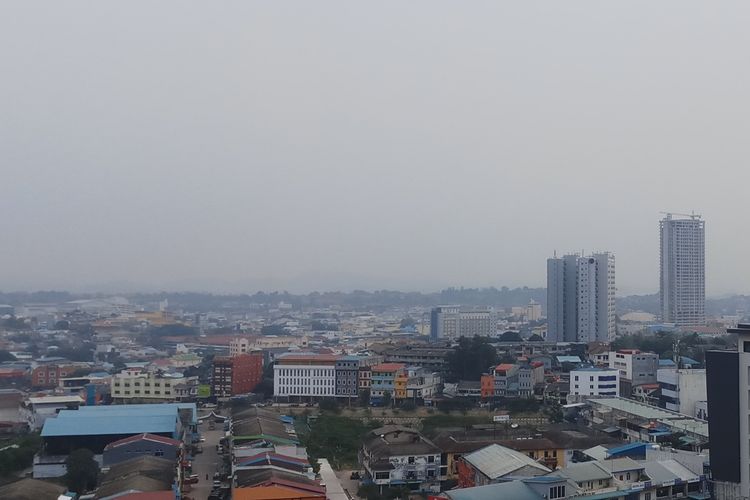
[
  {"x": 626, "y": 448},
  {"x": 92, "y": 425},
  {"x": 143, "y": 409}
]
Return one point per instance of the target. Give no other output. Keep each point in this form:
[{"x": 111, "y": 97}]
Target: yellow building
[{"x": 399, "y": 386}]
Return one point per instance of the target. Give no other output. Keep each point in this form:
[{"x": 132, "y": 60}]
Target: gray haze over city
[{"x": 337, "y": 145}]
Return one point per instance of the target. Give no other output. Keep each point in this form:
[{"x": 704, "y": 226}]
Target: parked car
[{"x": 191, "y": 479}]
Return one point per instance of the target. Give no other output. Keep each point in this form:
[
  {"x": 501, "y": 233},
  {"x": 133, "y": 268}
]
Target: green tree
[
  {"x": 329, "y": 404},
  {"x": 82, "y": 471},
  {"x": 510, "y": 337},
  {"x": 470, "y": 359},
  {"x": 387, "y": 398},
  {"x": 336, "y": 438},
  {"x": 364, "y": 397}
]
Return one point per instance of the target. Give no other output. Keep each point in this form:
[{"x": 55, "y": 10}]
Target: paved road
[
  {"x": 334, "y": 490},
  {"x": 206, "y": 462},
  {"x": 350, "y": 485}
]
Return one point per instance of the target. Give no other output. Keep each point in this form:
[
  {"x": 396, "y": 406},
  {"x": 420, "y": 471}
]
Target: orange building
[{"x": 487, "y": 386}]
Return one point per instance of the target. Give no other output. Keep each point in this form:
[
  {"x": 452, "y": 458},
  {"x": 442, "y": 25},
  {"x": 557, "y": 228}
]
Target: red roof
[
  {"x": 504, "y": 367},
  {"x": 388, "y": 367},
  {"x": 294, "y": 484},
  {"x": 141, "y": 437}
]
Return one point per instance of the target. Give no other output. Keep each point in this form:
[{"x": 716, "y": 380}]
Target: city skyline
[{"x": 256, "y": 147}]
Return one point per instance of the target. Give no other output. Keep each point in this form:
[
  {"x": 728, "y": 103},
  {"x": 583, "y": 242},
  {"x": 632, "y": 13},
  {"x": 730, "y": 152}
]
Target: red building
[
  {"x": 49, "y": 375},
  {"x": 237, "y": 374}
]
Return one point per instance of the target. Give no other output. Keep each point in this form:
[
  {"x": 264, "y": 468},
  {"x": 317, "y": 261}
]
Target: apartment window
[
  {"x": 627, "y": 476},
  {"x": 382, "y": 475},
  {"x": 431, "y": 459},
  {"x": 647, "y": 496}
]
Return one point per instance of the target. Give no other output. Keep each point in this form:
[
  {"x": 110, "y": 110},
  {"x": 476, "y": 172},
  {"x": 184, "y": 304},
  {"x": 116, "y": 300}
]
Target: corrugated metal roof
[
  {"x": 585, "y": 471},
  {"x": 55, "y": 400},
  {"x": 496, "y": 461},
  {"x": 627, "y": 447},
  {"x": 514, "y": 489},
  {"x": 113, "y": 424},
  {"x": 146, "y": 409},
  {"x": 677, "y": 469}
]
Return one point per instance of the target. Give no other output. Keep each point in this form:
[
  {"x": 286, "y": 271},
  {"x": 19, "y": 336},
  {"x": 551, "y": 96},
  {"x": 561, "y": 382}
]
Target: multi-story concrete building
[
  {"x": 581, "y": 298},
  {"x": 49, "y": 371},
  {"x": 240, "y": 374},
  {"x": 451, "y": 322},
  {"x": 240, "y": 345},
  {"x": 533, "y": 311},
  {"x": 682, "y": 391},
  {"x": 431, "y": 358},
  {"x": 421, "y": 384},
  {"x": 347, "y": 377},
  {"x": 683, "y": 270},
  {"x": 587, "y": 382},
  {"x": 136, "y": 385},
  {"x": 728, "y": 391},
  {"x": 444, "y": 322},
  {"x": 636, "y": 368},
  {"x": 305, "y": 375},
  {"x": 385, "y": 378}
]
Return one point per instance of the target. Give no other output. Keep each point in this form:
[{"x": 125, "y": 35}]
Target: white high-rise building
[
  {"x": 683, "y": 270},
  {"x": 581, "y": 298}
]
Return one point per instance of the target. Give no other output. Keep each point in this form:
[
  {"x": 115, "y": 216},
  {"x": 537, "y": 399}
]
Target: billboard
[{"x": 204, "y": 391}]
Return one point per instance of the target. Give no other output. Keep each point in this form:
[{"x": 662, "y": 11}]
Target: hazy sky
[{"x": 237, "y": 146}]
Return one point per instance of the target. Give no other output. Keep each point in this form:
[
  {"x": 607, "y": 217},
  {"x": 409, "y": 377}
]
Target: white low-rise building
[
  {"x": 38, "y": 409},
  {"x": 305, "y": 375},
  {"x": 683, "y": 391},
  {"x": 592, "y": 381}
]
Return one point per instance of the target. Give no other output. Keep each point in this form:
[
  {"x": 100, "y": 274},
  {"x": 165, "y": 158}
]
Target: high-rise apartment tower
[
  {"x": 683, "y": 270},
  {"x": 581, "y": 298}
]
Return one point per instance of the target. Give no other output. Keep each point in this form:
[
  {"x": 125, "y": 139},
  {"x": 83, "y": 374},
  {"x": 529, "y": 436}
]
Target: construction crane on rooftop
[{"x": 693, "y": 215}]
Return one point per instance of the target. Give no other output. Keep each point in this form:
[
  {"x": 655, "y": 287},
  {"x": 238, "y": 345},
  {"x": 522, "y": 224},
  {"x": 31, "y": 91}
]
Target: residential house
[
  {"x": 395, "y": 455},
  {"x": 496, "y": 463}
]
